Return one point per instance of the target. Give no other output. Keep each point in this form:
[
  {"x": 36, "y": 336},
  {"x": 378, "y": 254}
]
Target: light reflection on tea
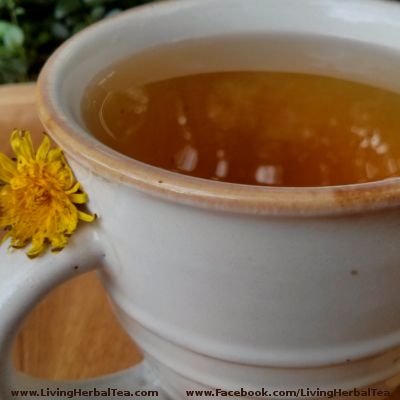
[{"x": 258, "y": 128}]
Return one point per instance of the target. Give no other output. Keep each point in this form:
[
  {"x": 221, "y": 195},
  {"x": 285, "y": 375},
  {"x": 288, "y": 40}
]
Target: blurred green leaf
[
  {"x": 97, "y": 12},
  {"x": 30, "y": 30},
  {"x": 78, "y": 27},
  {"x": 66, "y": 7},
  {"x": 43, "y": 37},
  {"x": 112, "y": 12},
  {"x": 12, "y": 70},
  {"x": 59, "y": 30},
  {"x": 11, "y": 35},
  {"x": 73, "y": 20},
  {"x": 19, "y": 11},
  {"x": 93, "y": 3}
]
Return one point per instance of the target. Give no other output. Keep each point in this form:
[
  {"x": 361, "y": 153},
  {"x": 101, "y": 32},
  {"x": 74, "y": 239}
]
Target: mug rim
[{"x": 205, "y": 193}]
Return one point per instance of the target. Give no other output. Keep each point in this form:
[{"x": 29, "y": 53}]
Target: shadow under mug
[{"x": 222, "y": 285}]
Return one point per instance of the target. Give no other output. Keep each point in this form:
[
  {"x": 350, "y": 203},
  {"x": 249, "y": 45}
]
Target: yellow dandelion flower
[{"x": 38, "y": 196}]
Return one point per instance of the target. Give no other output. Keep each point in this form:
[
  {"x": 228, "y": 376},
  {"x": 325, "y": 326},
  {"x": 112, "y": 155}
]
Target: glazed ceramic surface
[{"x": 231, "y": 286}]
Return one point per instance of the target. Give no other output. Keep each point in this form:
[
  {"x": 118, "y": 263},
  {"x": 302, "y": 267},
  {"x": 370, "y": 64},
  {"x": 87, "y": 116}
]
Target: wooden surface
[{"x": 72, "y": 334}]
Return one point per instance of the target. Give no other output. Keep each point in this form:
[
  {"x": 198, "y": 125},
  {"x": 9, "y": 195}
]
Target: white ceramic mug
[{"x": 224, "y": 285}]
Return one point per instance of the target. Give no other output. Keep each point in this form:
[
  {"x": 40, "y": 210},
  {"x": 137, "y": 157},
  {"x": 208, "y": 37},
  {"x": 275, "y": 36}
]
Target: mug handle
[{"x": 23, "y": 283}]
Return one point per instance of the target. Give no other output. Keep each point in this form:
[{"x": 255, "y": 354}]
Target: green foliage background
[{"x": 30, "y": 30}]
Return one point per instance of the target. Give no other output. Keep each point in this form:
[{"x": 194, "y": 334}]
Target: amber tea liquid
[{"x": 256, "y": 128}]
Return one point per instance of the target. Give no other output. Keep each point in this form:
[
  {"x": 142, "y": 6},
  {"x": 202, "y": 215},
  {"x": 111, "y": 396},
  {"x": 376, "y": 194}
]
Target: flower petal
[
  {"x": 78, "y": 198},
  {"x": 8, "y": 168},
  {"x": 37, "y": 248},
  {"x": 86, "y": 217},
  {"x": 43, "y": 149},
  {"x": 21, "y": 143},
  {"x": 58, "y": 243},
  {"x": 74, "y": 188},
  {"x": 55, "y": 155}
]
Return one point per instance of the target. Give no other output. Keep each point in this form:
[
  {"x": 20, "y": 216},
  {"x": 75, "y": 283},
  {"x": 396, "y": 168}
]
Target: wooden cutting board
[{"x": 68, "y": 335}]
